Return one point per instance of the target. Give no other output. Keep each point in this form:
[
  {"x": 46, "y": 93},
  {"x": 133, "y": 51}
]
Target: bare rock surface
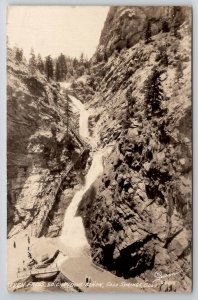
[
  {"x": 38, "y": 153},
  {"x": 138, "y": 214}
]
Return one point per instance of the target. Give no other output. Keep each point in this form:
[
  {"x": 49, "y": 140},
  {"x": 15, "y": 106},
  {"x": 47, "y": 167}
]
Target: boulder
[{"x": 133, "y": 133}]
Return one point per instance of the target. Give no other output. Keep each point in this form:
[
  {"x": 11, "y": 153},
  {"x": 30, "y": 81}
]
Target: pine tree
[
  {"x": 49, "y": 70},
  {"x": 57, "y": 71},
  {"x": 154, "y": 93},
  {"x": 165, "y": 26},
  {"x": 131, "y": 100},
  {"x": 62, "y": 66},
  {"x": 32, "y": 61},
  {"x": 69, "y": 112},
  {"x": 40, "y": 64},
  {"x": 176, "y": 21},
  {"x": 69, "y": 64},
  {"x": 19, "y": 55},
  {"x": 164, "y": 59},
  {"x": 162, "y": 56},
  {"x": 105, "y": 56},
  {"x": 82, "y": 59},
  {"x": 80, "y": 70},
  {"x": 75, "y": 63},
  {"x": 148, "y": 33},
  {"x": 87, "y": 65},
  {"x": 179, "y": 70}
]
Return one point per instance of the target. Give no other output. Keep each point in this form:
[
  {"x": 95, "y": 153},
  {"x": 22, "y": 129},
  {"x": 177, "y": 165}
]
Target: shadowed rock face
[
  {"x": 38, "y": 150},
  {"x": 138, "y": 214}
]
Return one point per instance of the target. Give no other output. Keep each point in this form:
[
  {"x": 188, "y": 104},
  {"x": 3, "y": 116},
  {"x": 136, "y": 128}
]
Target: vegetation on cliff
[
  {"x": 138, "y": 217},
  {"x": 42, "y": 142}
]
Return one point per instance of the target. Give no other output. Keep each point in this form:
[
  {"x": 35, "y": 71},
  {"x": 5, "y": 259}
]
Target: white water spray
[
  {"x": 73, "y": 233},
  {"x": 83, "y": 118}
]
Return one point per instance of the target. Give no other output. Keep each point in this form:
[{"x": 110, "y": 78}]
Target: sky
[{"x": 55, "y": 29}]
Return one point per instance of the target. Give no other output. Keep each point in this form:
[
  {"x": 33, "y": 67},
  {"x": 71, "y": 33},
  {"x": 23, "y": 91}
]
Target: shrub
[
  {"x": 153, "y": 93},
  {"x": 148, "y": 33}
]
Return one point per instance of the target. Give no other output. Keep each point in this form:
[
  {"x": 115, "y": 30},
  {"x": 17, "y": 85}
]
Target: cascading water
[
  {"x": 83, "y": 118},
  {"x": 73, "y": 233}
]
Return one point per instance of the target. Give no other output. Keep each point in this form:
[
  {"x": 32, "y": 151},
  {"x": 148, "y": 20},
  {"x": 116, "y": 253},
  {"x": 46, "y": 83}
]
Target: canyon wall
[
  {"x": 138, "y": 214},
  {"x": 40, "y": 153}
]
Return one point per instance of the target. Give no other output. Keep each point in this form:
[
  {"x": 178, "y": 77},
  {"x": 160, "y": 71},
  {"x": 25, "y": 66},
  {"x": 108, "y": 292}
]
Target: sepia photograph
[{"x": 99, "y": 149}]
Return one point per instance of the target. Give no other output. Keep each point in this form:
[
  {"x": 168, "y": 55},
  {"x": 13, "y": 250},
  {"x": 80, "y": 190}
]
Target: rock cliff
[
  {"x": 138, "y": 215},
  {"x": 40, "y": 153}
]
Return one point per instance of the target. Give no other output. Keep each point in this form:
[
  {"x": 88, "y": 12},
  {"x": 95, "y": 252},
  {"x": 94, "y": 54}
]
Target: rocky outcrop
[
  {"x": 126, "y": 26},
  {"x": 138, "y": 215},
  {"x": 40, "y": 153}
]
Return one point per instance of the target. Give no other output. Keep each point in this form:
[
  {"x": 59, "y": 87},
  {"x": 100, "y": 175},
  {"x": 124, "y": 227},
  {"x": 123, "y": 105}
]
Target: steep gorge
[{"x": 137, "y": 214}]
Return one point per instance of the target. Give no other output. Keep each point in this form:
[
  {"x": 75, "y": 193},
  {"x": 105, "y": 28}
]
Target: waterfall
[
  {"x": 73, "y": 235},
  {"x": 83, "y": 118}
]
